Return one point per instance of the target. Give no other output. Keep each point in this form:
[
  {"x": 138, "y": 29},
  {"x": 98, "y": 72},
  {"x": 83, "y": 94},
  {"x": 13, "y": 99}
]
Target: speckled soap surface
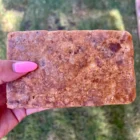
[{"x": 75, "y": 68}]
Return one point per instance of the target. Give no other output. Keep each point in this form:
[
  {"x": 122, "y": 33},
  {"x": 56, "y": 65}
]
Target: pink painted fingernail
[{"x": 24, "y": 66}]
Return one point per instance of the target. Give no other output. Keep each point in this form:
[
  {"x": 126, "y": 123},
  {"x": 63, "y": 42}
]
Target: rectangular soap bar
[{"x": 75, "y": 68}]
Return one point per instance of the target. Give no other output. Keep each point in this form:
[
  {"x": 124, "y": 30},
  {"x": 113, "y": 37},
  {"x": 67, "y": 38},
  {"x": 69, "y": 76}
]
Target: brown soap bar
[{"x": 75, "y": 68}]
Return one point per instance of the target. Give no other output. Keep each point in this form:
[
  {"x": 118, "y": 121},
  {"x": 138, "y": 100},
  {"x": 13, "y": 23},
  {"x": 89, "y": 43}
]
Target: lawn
[{"x": 121, "y": 122}]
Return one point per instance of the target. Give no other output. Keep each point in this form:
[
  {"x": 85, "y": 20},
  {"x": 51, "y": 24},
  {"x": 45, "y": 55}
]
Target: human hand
[{"x": 9, "y": 71}]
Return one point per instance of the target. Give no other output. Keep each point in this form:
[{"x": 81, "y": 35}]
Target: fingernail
[{"x": 24, "y": 66}]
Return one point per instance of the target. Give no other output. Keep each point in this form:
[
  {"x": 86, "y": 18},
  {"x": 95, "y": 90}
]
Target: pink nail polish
[{"x": 24, "y": 66}]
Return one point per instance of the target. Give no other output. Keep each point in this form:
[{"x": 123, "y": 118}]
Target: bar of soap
[{"x": 75, "y": 68}]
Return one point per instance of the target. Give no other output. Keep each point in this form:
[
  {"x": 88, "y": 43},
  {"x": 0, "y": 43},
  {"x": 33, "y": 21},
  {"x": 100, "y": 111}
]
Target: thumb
[{"x": 11, "y": 70}]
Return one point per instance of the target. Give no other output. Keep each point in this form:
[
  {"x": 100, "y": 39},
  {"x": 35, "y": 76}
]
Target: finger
[
  {"x": 34, "y": 110},
  {"x": 2, "y": 94},
  {"x": 11, "y": 70},
  {"x": 20, "y": 113},
  {"x": 7, "y": 121}
]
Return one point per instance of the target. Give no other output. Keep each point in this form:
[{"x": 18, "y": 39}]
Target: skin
[{"x": 9, "y": 118}]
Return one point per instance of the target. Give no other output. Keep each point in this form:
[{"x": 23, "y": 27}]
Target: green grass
[
  {"x": 108, "y": 20},
  {"x": 87, "y": 123}
]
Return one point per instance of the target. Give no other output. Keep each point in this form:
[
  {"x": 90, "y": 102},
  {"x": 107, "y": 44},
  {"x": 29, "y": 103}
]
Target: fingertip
[
  {"x": 34, "y": 110},
  {"x": 24, "y": 66}
]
